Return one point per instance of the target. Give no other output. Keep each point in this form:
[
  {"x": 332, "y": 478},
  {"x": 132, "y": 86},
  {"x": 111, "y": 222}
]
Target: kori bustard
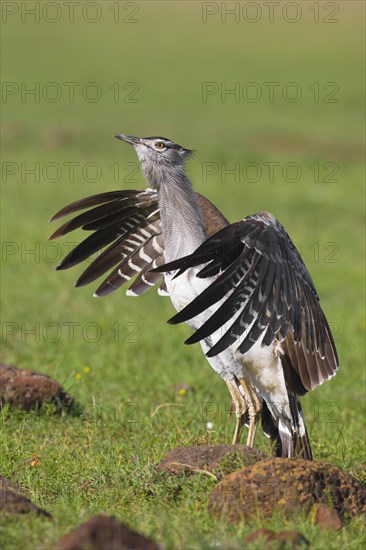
[{"x": 243, "y": 287}]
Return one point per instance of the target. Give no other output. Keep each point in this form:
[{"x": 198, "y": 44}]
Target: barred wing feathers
[
  {"x": 126, "y": 235},
  {"x": 269, "y": 291}
]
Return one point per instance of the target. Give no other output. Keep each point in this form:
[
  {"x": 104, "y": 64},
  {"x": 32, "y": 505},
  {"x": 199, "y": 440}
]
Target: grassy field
[{"x": 299, "y": 111}]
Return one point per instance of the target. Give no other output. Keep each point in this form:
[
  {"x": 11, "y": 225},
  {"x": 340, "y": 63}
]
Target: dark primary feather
[
  {"x": 99, "y": 217},
  {"x": 81, "y": 204},
  {"x": 125, "y": 246},
  {"x": 126, "y": 236},
  {"x": 137, "y": 258},
  {"x": 269, "y": 293}
]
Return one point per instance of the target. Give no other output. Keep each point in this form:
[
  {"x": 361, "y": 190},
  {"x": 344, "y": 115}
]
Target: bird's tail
[{"x": 289, "y": 438}]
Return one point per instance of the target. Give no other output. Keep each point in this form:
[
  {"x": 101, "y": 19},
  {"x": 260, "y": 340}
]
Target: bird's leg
[
  {"x": 254, "y": 409},
  {"x": 241, "y": 409}
]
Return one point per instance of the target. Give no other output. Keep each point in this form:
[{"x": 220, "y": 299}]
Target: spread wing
[
  {"x": 126, "y": 236},
  {"x": 267, "y": 294}
]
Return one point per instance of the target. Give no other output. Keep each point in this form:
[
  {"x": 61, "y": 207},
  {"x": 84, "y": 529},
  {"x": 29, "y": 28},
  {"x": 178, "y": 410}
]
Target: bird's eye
[{"x": 160, "y": 145}]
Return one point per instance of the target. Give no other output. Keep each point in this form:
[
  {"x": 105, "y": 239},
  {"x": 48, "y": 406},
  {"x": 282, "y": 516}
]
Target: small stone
[
  {"x": 104, "y": 533},
  {"x": 327, "y": 518}
]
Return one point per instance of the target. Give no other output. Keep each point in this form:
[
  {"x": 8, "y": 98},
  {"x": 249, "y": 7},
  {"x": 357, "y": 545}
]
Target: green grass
[{"x": 104, "y": 460}]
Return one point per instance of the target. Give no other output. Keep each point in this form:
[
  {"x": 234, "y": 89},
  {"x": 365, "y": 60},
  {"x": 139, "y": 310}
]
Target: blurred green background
[{"x": 151, "y": 64}]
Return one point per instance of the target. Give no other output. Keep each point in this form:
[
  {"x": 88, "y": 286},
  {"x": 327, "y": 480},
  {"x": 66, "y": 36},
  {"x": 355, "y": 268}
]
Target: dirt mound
[
  {"x": 289, "y": 485},
  {"x": 29, "y": 389},
  {"x": 13, "y": 502},
  {"x": 217, "y": 459},
  {"x": 104, "y": 533}
]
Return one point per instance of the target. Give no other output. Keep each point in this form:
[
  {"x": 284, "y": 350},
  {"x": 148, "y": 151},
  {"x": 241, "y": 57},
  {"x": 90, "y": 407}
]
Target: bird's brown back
[{"x": 213, "y": 219}]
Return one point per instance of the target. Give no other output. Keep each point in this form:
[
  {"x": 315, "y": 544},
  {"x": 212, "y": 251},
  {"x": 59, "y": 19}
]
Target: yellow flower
[
  {"x": 182, "y": 391},
  {"x": 78, "y": 376},
  {"x": 86, "y": 370}
]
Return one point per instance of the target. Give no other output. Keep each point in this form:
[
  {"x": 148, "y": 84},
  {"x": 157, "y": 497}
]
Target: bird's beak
[{"x": 128, "y": 139}]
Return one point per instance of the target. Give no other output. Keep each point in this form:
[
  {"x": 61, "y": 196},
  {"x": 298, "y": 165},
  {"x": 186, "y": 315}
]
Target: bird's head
[{"x": 157, "y": 153}]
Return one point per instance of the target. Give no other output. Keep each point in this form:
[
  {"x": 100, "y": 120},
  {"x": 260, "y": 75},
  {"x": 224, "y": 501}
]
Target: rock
[
  {"x": 104, "y": 533},
  {"x": 289, "y": 485},
  {"x": 327, "y": 518},
  {"x": 271, "y": 540},
  {"x": 217, "y": 459},
  {"x": 29, "y": 389},
  {"x": 13, "y": 502}
]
